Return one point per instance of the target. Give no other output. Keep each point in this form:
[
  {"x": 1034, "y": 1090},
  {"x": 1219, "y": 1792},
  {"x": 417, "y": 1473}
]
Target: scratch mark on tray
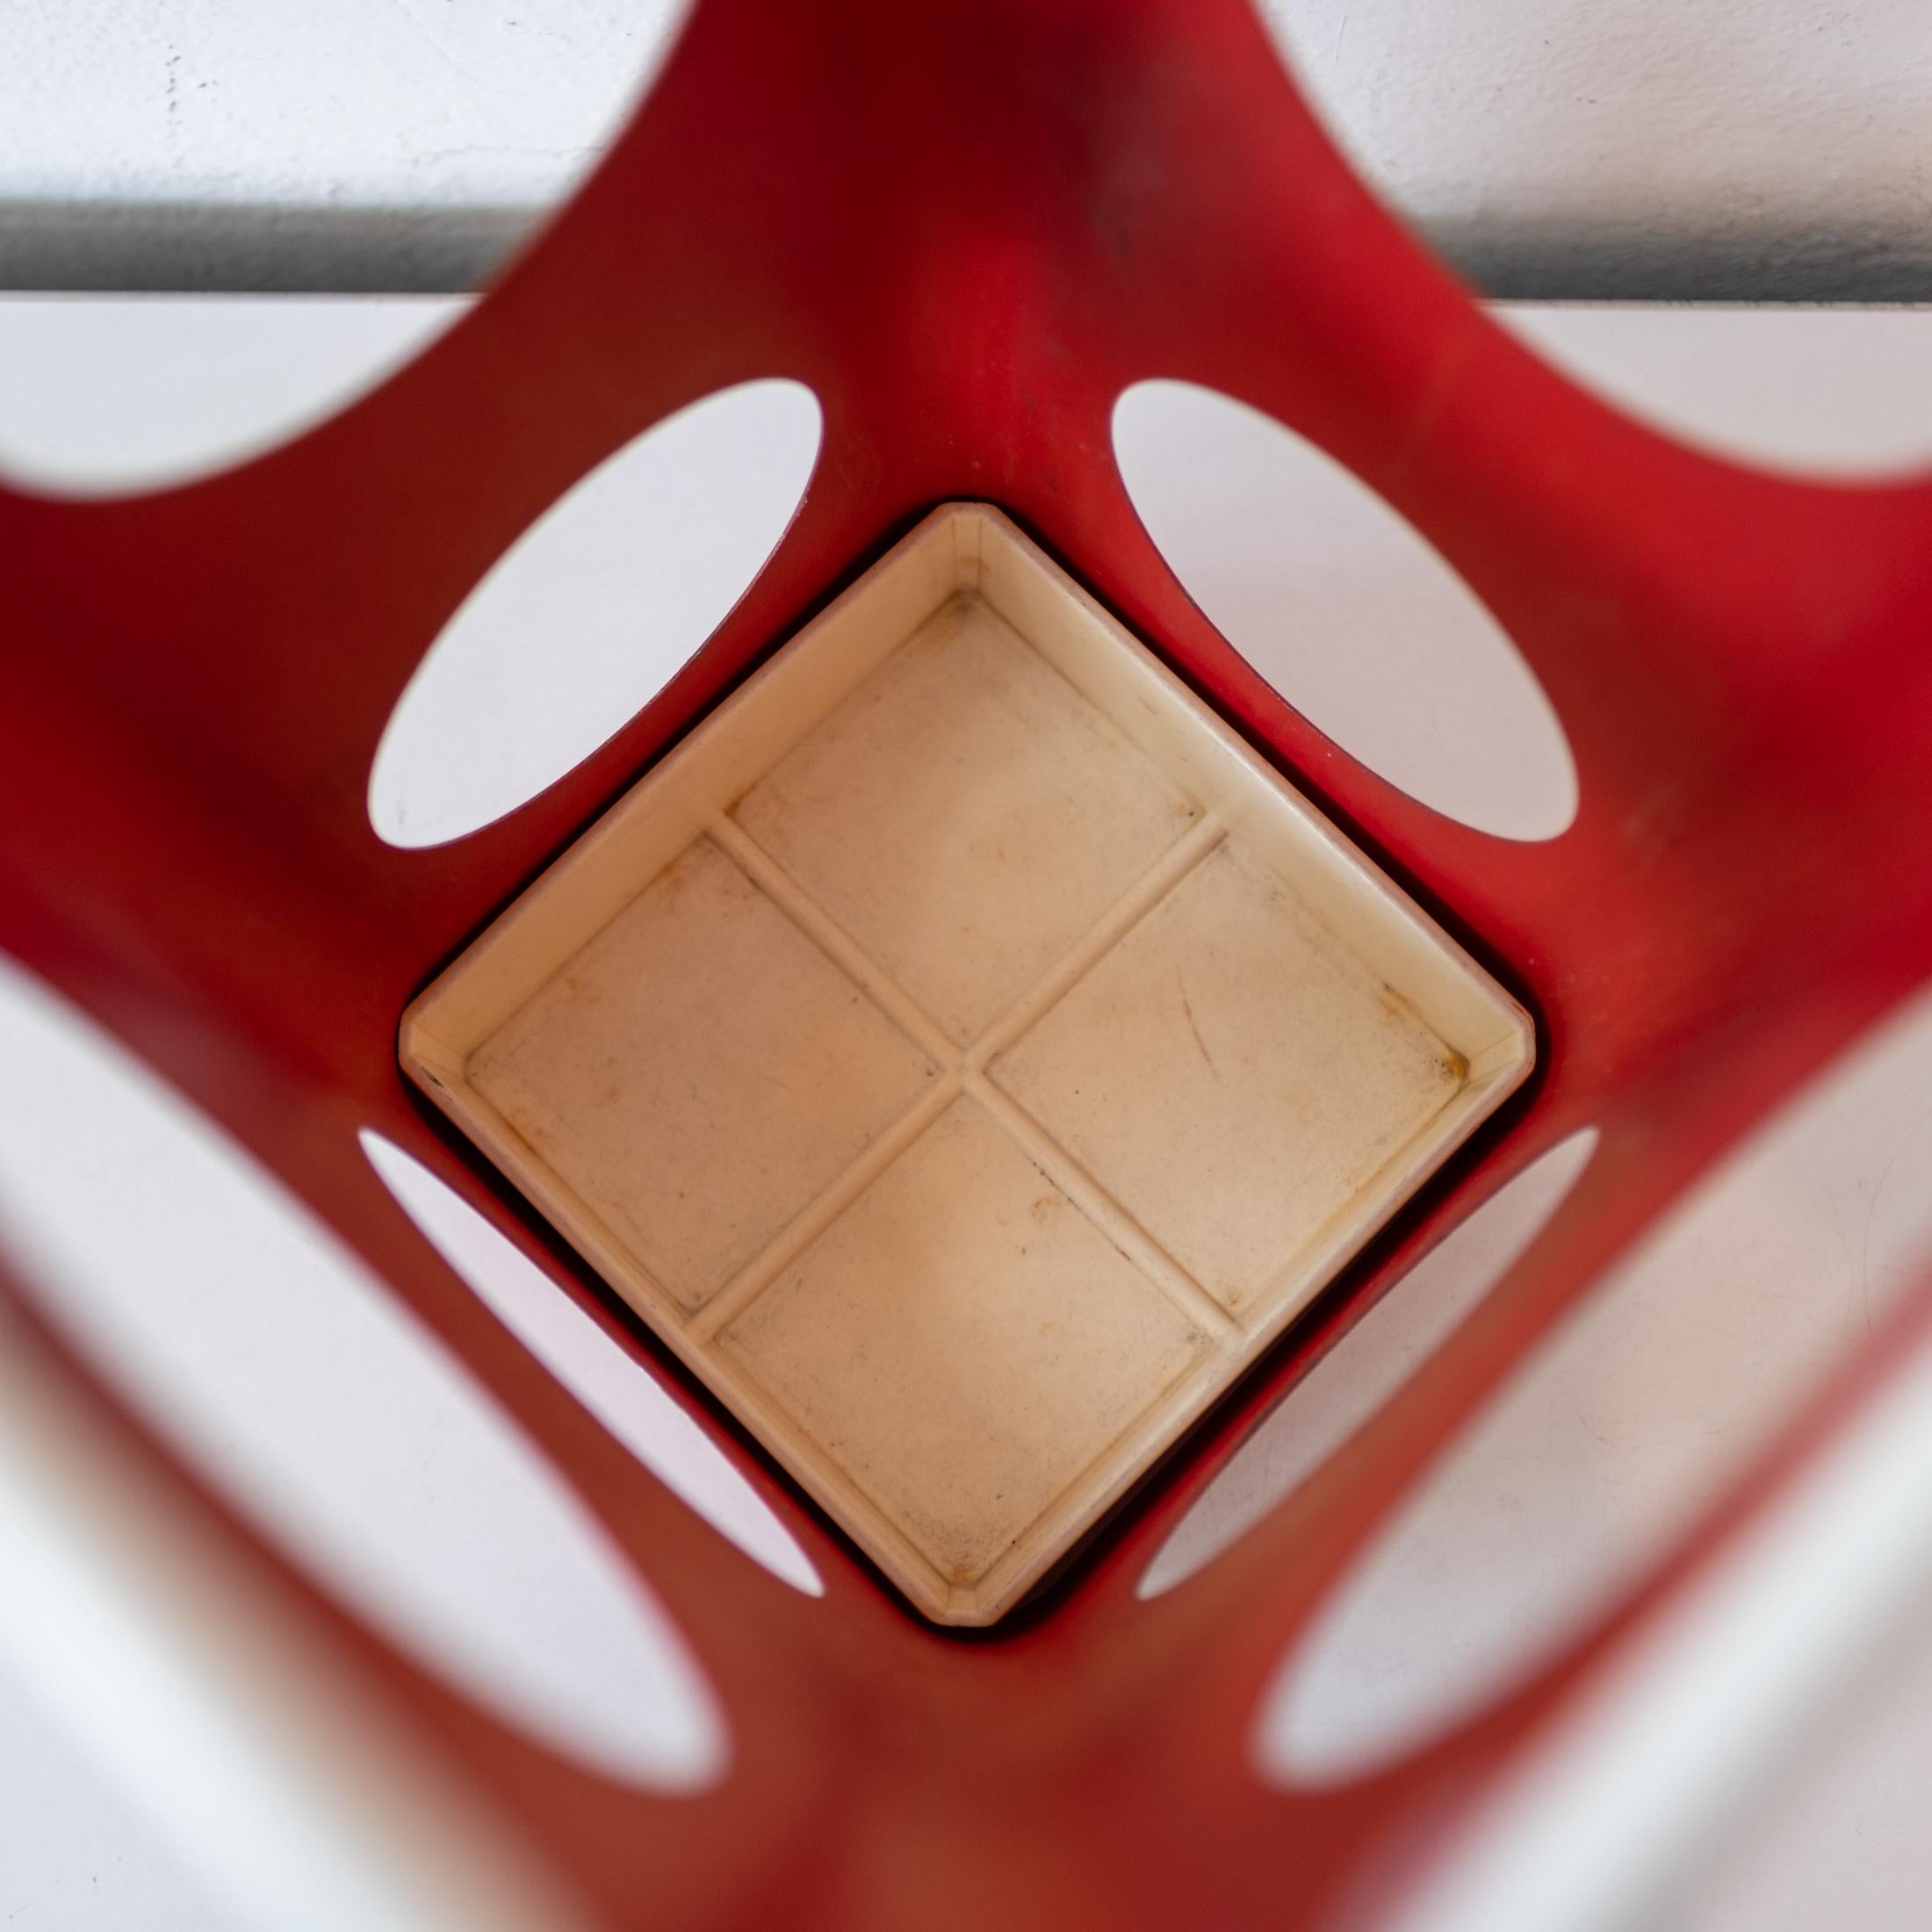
[{"x": 1186, "y": 1006}]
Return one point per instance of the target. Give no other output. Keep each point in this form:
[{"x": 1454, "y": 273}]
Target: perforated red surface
[{"x": 968, "y": 224}]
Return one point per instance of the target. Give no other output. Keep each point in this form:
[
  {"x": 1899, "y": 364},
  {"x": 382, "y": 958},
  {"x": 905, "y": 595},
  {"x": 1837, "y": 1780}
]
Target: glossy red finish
[{"x": 968, "y": 224}]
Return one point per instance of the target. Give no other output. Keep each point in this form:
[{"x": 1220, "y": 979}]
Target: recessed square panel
[
  {"x": 965, "y": 815},
  {"x": 967, "y": 1053},
  {"x": 699, "y": 1072},
  {"x": 961, "y": 1343},
  {"x": 1286, "y": 1073}
]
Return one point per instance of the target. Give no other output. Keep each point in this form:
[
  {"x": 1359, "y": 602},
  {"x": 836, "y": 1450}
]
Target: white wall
[
  {"x": 1750, "y": 149},
  {"x": 355, "y": 144},
  {"x": 1728, "y": 148}
]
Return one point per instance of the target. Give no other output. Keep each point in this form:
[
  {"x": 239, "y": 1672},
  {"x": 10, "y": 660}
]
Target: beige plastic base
[{"x": 967, "y": 1054}]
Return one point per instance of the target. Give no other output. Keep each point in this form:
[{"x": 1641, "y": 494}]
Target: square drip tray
[{"x": 968, "y": 1055}]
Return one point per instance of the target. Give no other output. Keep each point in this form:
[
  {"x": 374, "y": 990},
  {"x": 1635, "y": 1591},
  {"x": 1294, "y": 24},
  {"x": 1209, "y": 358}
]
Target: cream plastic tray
[{"x": 967, "y": 1054}]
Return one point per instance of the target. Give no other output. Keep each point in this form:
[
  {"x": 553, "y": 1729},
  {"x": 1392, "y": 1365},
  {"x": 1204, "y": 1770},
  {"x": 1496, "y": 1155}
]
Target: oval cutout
[
  {"x": 242, "y": 169},
  {"x": 1628, "y": 1421},
  {"x": 1820, "y": 392},
  {"x": 593, "y": 609},
  {"x": 1342, "y": 607},
  {"x": 221, "y": 148},
  {"x": 1365, "y": 1368},
  {"x": 242, "y": 1328},
  {"x": 102, "y": 395},
  {"x": 617, "y": 1390}
]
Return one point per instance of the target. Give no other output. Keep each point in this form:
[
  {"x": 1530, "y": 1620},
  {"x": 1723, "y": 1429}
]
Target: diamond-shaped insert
[
  {"x": 967, "y": 1053},
  {"x": 963, "y": 1342}
]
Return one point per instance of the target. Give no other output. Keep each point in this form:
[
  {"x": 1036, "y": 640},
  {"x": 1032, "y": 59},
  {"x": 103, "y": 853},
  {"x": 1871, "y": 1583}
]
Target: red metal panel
[{"x": 968, "y": 225}]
